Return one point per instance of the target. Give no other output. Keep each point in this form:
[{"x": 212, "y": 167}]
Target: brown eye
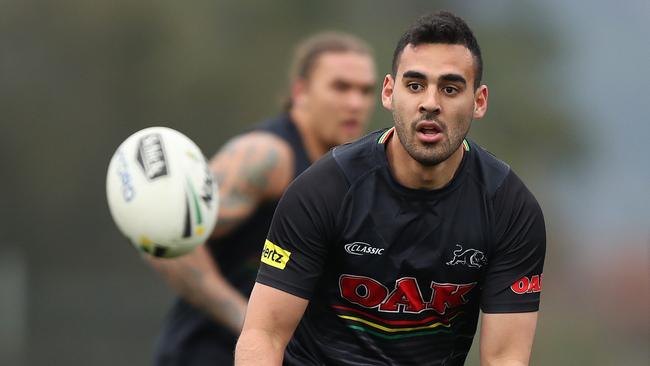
[
  {"x": 450, "y": 90},
  {"x": 414, "y": 87}
]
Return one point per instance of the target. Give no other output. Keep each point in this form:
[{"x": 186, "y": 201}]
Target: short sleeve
[
  {"x": 513, "y": 279},
  {"x": 303, "y": 226}
]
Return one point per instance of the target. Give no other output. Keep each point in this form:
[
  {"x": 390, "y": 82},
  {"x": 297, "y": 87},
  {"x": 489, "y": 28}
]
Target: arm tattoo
[
  {"x": 244, "y": 176},
  {"x": 257, "y": 173}
]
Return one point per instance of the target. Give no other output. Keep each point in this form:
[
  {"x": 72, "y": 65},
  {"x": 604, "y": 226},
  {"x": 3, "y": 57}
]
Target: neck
[
  {"x": 411, "y": 174},
  {"x": 314, "y": 147}
]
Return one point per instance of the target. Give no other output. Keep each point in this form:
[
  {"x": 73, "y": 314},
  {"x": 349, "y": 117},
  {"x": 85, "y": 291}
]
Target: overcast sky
[{"x": 608, "y": 73}]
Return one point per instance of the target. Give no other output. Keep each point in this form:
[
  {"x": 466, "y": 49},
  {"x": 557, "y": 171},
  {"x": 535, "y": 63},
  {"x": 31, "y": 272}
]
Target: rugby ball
[{"x": 160, "y": 192}]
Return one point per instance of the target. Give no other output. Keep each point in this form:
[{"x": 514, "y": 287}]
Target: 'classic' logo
[{"x": 361, "y": 248}]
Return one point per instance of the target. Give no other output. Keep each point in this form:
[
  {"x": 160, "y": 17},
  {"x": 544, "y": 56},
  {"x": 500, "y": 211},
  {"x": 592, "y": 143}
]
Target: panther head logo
[{"x": 470, "y": 257}]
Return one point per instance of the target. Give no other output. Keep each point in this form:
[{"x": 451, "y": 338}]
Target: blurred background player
[{"x": 332, "y": 81}]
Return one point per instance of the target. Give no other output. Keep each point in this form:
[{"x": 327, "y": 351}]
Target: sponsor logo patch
[
  {"x": 470, "y": 257},
  {"x": 361, "y": 248},
  {"x": 151, "y": 156},
  {"x": 275, "y": 256},
  {"x": 526, "y": 285},
  {"x": 406, "y": 296}
]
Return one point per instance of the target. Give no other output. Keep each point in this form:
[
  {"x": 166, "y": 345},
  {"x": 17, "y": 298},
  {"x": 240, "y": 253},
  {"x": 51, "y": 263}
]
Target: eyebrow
[
  {"x": 453, "y": 78},
  {"x": 412, "y": 74}
]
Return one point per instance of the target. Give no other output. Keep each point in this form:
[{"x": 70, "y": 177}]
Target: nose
[{"x": 430, "y": 103}]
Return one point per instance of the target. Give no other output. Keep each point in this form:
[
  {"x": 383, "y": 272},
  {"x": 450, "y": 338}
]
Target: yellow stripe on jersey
[{"x": 392, "y": 330}]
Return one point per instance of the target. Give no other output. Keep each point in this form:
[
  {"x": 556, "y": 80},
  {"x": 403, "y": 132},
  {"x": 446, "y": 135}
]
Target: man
[
  {"x": 332, "y": 83},
  {"x": 384, "y": 251}
]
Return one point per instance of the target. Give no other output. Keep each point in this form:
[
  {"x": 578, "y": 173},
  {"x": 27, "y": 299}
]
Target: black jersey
[
  {"x": 396, "y": 276},
  {"x": 238, "y": 253},
  {"x": 188, "y": 330}
]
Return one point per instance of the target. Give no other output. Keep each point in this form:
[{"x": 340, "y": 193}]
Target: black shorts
[{"x": 190, "y": 338}]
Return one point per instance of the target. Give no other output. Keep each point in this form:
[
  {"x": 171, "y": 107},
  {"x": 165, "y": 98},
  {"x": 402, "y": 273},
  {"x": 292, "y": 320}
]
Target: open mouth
[{"x": 428, "y": 131}]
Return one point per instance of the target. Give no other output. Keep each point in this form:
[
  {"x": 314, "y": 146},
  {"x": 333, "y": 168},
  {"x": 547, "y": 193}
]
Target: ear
[
  {"x": 298, "y": 89},
  {"x": 387, "y": 92},
  {"x": 480, "y": 101}
]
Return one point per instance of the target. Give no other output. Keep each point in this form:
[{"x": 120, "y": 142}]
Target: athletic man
[
  {"x": 332, "y": 84},
  {"x": 383, "y": 252}
]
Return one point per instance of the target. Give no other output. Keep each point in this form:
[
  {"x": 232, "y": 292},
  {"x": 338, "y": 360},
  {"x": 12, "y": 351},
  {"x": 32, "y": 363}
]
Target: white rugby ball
[{"x": 161, "y": 193}]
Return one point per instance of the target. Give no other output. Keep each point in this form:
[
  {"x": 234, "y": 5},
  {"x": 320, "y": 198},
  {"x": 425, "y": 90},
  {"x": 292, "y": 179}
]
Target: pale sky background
[
  {"x": 604, "y": 61},
  {"x": 608, "y": 78}
]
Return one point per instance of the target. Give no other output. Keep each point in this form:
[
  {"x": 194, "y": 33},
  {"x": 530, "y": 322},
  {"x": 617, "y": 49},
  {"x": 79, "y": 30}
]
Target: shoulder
[
  {"x": 258, "y": 138},
  {"x": 328, "y": 180},
  {"x": 356, "y": 158},
  {"x": 359, "y": 148},
  {"x": 257, "y": 157},
  {"x": 257, "y": 144},
  {"x": 488, "y": 170},
  {"x": 314, "y": 199},
  {"x": 513, "y": 196},
  {"x": 276, "y": 125},
  {"x": 323, "y": 178},
  {"x": 256, "y": 149},
  {"x": 517, "y": 214},
  {"x": 501, "y": 184},
  {"x": 269, "y": 133}
]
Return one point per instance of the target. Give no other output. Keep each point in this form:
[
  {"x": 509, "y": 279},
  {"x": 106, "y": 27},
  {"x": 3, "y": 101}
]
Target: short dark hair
[
  {"x": 441, "y": 27},
  {"x": 307, "y": 53}
]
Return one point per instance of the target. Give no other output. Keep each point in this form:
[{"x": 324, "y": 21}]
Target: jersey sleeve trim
[
  {"x": 283, "y": 286},
  {"x": 520, "y": 307}
]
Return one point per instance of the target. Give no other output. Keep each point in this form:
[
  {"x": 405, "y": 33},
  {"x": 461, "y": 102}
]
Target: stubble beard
[{"x": 423, "y": 153}]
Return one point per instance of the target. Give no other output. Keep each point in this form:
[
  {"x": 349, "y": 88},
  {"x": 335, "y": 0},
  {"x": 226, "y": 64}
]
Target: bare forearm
[
  {"x": 503, "y": 362},
  {"x": 507, "y": 339},
  {"x": 271, "y": 319},
  {"x": 196, "y": 279},
  {"x": 218, "y": 299},
  {"x": 257, "y": 347}
]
